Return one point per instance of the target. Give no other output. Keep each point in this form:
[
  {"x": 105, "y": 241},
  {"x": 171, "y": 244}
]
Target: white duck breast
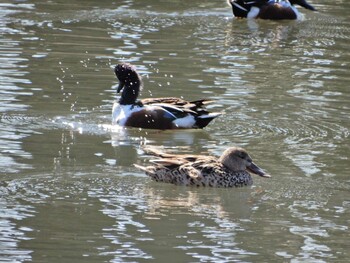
[{"x": 120, "y": 113}]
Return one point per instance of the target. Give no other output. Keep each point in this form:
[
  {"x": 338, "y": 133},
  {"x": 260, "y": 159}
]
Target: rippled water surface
[{"x": 68, "y": 189}]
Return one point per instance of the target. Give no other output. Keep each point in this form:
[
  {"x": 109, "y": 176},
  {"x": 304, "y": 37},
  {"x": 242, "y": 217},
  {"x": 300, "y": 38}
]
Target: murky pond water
[{"x": 68, "y": 190}]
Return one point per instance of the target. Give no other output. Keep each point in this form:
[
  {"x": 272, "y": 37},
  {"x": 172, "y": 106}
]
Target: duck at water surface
[
  {"x": 232, "y": 169},
  {"x": 268, "y": 9},
  {"x": 155, "y": 113}
]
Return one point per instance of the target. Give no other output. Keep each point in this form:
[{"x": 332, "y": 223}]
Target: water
[{"x": 68, "y": 190}]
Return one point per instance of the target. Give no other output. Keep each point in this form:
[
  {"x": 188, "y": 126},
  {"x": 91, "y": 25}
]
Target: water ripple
[
  {"x": 11, "y": 234},
  {"x": 306, "y": 128}
]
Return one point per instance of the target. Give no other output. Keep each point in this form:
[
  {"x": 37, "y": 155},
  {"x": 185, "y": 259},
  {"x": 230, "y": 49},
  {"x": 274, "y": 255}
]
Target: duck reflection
[
  {"x": 215, "y": 203},
  {"x": 263, "y": 34}
]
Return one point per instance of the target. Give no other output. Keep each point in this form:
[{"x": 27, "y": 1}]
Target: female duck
[
  {"x": 154, "y": 113},
  {"x": 230, "y": 170},
  {"x": 268, "y": 9}
]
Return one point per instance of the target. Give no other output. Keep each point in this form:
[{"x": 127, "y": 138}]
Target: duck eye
[{"x": 241, "y": 155}]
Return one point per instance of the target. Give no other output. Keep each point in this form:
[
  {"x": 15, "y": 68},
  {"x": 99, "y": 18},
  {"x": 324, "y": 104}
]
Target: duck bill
[
  {"x": 257, "y": 170},
  {"x": 304, "y": 4},
  {"x": 120, "y": 86}
]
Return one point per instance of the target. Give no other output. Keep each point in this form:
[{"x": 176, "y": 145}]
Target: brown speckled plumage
[{"x": 230, "y": 170}]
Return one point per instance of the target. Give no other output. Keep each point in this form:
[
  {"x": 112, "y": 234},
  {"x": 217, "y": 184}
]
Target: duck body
[
  {"x": 202, "y": 172},
  {"x": 230, "y": 170},
  {"x": 157, "y": 116},
  {"x": 155, "y": 113},
  {"x": 268, "y": 9}
]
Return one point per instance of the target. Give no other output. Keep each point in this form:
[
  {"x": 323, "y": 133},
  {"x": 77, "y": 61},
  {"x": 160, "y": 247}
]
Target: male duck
[
  {"x": 230, "y": 170},
  {"x": 154, "y": 113},
  {"x": 268, "y": 9}
]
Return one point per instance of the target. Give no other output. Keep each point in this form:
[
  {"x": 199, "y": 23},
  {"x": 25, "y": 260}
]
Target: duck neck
[{"x": 130, "y": 93}]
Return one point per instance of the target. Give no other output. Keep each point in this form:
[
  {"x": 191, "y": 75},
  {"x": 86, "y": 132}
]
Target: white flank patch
[
  {"x": 186, "y": 122},
  {"x": 299, "y": 16},
  {"x": 253, "y": 13},
  {"x": 210, "y": 115},
  {"x": 285, "y": 3},
  {"x": 120, "y": 113}
]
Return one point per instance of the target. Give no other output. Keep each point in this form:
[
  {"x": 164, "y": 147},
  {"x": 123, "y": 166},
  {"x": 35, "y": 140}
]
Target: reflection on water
[
  {"x": 11, "y": 144},
  {"x": 12, "y": 78},
  {"x": 67, "y": 183},
  {"x": 209, "y": 226},
  {"x": 10, "y": 235}
]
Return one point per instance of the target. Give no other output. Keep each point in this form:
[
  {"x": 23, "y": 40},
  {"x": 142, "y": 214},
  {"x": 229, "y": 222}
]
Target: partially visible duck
[
  {"x": 268, "y": 9},
  {"x": 230, "y": 170},
  {"x": 155, "y": 113}
]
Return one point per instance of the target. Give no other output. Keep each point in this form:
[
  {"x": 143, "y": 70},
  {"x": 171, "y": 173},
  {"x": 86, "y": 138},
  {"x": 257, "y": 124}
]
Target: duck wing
[
  {"x": 180, "y": 109},
  {"x": 178, "y": 102},
  {"x": 168, "y": 100},
  {"x": 183, "y": 169},
  {"x": 186, "y": 164},
  {"x": 178, "y": 112}
]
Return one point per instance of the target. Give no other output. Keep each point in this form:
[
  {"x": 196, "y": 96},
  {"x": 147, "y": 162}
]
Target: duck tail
[{"x": 203, "y": 120}]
